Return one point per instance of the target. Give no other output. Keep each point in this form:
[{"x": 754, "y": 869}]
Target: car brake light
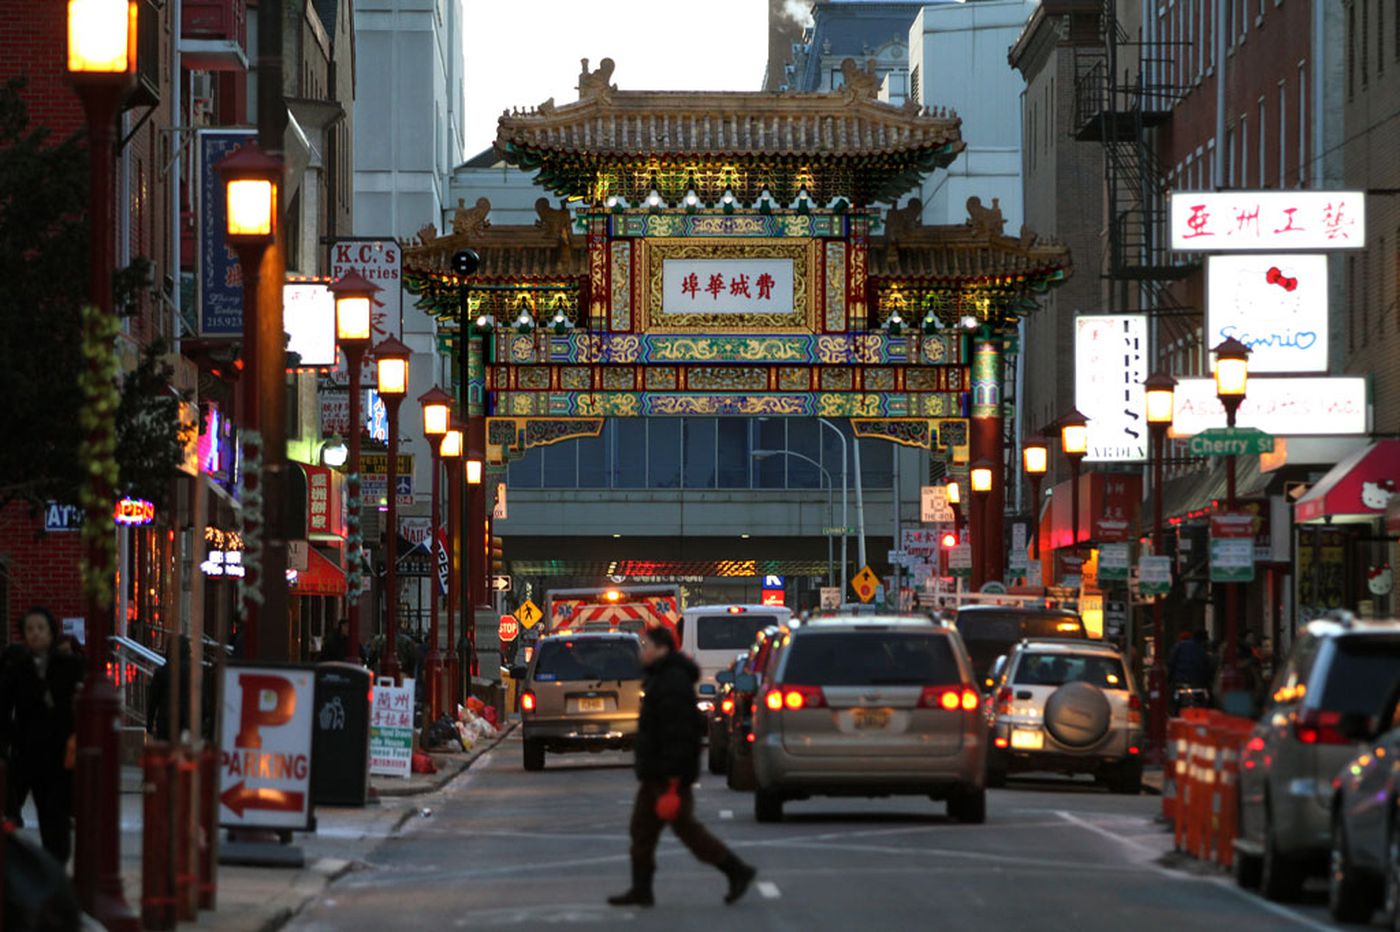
[
  {"x": 1319, "y": 726},
  {"x": 773, "y": 699},
  {"x": 1135, "y": 703},
  {"x": 1133, "y": 750},
  {"x": 1134, "y": 710},
  {"x": 726, "y": 706},
  {"x": 749, "y": 737},
  {"x": 949, "y": 699},
  {"x": 794, "y": 698},
  {"x": 999, "y": 742},
  {"x": 1004, "y": 700},
  {"x": 527, "y": 702}
]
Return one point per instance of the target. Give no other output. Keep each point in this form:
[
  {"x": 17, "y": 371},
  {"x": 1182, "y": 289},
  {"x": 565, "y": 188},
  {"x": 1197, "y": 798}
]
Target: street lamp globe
[
  {"x": 1035, "y": 455},
  {"x": 475, "y": 467},
  {"x": 250, "y": 177},
  {"x": 334, "y": 452},
  {"x": 1074, "y": 435},
  {"x": 1231, "y": 369},
  {"x": 954, "y": 493},
  {"x": 450, "y": 447},
  {"x": 102, "y": 37},
  {"x": 437, "y": 412},
  {"x": 354, "y": 299},
  {"x": 391, "y": 363},
  {"x": 1160, "y": 390},
  {"x": 981, "y": 477}
]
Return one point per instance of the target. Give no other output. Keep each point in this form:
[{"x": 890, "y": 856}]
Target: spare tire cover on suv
[{"x": 1078, "y": 715}]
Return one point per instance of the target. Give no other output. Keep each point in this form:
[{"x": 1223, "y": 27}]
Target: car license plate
[
  {"x": 1027, "y": 739},
  {"x": 594, "y": 704},
  {"x": 870, "y": 718}
]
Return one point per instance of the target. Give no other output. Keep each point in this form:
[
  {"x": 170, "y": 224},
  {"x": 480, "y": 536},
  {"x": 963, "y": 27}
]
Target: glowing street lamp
[
  {"x": 980, "y": 479},
  {"x": 391, "y": 361},
  {"x": 1074, "y": 443},
  {"x": 1231, "y": 380},
  {"x": 1160, "y": 390},
  {"x": 437, "y": 420},
  {"x": 1035, "y": 460},
  {"x": 102, "y": 38},
  {"x": 1231, "y": 375},
  {"x": 449, "y": 450}
]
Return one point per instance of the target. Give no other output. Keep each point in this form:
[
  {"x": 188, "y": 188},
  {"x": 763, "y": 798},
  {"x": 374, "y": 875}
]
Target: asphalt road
[{"x": 503, "y": 849}]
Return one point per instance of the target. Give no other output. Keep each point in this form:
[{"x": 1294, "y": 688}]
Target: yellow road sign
[
  {"x": 528, "y": 615},
  {"x": 865, "y": 584}
]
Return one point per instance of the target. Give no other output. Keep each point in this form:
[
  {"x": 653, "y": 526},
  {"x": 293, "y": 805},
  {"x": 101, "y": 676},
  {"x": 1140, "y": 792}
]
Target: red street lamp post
[
  {"x": 1035, "y": 460},
  {"x": 437, "y": 416},
  {"x": 1160, "y": 390},
  {"x": 1074, "y": 442},
  {"x": 391, "y": 359},
  {"x": 101, "y": 63},
  {"x": 450, "y": 450},
  {"x": 1231, "y": 380},
  {"x": 354, "y": 301},
  {"x": 980, "y": 478}
]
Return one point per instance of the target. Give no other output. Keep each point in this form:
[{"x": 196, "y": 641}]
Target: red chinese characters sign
[
  {"x": 324, "y": 516},
  {"x": 1232, "y": 221},
  {"x": 727, "y": 286}
]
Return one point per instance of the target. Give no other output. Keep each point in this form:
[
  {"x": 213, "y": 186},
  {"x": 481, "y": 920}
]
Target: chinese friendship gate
[{"x": 729, "y": 259}]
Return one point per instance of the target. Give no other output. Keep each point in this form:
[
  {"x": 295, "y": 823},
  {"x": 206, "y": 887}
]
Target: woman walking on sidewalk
[
  {"x": 38, "y": 685},
  {"x": 669, "y": 732}
]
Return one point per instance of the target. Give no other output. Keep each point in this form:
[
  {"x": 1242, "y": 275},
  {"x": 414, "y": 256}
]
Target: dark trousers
[
  {"x": 646, "y": 831},
  {"x": 53, "y": 798}
]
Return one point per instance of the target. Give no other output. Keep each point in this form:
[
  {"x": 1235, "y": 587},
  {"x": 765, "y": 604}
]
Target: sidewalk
[{"x": 254, "y": 899}]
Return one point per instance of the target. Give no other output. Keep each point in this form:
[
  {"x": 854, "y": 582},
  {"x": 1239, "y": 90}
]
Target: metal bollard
[
  {"x": 208, "y": 829},
  {"x": 157, "y": 869},
  {"x": 184, "y": 825}
]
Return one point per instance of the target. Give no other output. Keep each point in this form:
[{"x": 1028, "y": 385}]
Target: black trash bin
[{"x": 340, "y": 737}]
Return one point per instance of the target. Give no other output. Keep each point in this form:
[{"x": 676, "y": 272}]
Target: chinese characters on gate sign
[
  {"x": 727, "y": 286},
  {"x": 1225, "y": 221}
]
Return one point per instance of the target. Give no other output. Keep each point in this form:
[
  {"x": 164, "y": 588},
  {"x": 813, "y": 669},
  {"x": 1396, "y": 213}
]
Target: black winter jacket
[
  {"x": 36, "y": 712},
  {"x": 670, "y": 728}
]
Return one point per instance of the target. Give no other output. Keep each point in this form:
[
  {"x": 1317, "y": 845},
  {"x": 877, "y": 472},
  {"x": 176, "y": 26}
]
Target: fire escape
[{"x": 1122, "y": 93}]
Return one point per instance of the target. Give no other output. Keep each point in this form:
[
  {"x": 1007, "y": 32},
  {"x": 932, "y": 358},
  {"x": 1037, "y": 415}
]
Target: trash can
[{"x": 340, "y": 737}]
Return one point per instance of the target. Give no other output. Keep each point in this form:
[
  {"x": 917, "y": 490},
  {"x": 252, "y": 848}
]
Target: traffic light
[
  {"x": 949, "y": 540},
  {"x": 497, "y": 554}
]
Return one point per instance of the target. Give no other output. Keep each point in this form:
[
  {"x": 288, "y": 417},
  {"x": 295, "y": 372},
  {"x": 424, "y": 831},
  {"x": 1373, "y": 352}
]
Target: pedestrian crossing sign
[
  {"x": 865, "y": 584},
  {"x": 528, "y": 615}
]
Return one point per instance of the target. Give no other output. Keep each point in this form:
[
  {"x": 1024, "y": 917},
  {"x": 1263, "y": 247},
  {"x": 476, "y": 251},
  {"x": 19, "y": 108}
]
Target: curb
[{"x": 454, "y": 768}]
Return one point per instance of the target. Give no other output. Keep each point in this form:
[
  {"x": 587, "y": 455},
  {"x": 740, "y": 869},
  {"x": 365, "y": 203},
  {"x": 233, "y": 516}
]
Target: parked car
[
  {"x": 717, "y": 756},
  {"x": 738, "y": 765},
  {"x": 869, "y": 706},
  {"x": 581, "y": 692},
  {"x": 990, "y": 631},
  {"x": 1335, "y": 669},
  {"x": 1364, "y": 869},
  {"x": 1068, "y": 706}
]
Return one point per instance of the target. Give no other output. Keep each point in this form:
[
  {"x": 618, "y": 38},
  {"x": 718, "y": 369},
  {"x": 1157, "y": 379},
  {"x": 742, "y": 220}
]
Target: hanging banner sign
[
  {"x": 265, "y": 747},
  {"x": 1231, "y": 547},
  {"x": 444, "y": 561},
  {"x": 1110, "y": 365},
  {"x": 960, "y": 561},
  {"x": 727, "y": 286},
  {"x": 1232, "y": 221},
  {"x": 1274, "y": 304},
  {"x": 1114, "y": 560},
  {"x": 220, "y": 279},
  {"x": 1154, "y": 574}
]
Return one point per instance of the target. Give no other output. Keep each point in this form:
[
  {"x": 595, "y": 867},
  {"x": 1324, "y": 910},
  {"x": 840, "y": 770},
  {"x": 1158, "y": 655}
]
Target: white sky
[{"x": 522, "y": 52}]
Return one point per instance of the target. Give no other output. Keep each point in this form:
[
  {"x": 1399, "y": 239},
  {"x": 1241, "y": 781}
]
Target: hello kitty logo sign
[
  {"x": 1376, "y": 495},
  {"x": 1379, "y": 580}
]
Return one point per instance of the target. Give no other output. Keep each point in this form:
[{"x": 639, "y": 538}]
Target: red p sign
[{"x": 255, "y": 713}]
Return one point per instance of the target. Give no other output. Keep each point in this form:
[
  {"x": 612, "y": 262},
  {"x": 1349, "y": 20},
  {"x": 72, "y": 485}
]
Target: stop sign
[{"x": 509, "y": 629}]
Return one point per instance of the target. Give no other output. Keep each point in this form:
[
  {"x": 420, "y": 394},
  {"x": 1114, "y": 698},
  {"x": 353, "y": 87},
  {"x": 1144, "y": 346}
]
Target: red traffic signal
[{"x": 949, "y": 540}]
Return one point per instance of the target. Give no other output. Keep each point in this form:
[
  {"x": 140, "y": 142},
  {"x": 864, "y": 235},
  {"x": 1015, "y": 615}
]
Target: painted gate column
[{"x": 986, "y": 430}]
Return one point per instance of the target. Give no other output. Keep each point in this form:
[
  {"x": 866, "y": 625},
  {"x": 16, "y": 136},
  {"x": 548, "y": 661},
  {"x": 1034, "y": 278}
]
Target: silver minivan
[
  {"x": 581, "y": 692},
  {"x": 869, "y": 706}
]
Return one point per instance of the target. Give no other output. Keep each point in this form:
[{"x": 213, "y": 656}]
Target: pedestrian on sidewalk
[
  {"x": 669, "y": 731},
  {"x": 38, "y": 687}
]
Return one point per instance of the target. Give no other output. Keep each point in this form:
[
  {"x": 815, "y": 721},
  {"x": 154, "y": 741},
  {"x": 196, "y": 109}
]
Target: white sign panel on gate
[
  {"x": 1235, "y": 221},
  {"x": 308, "y": 319},
  {"x": 1110, "y": 365},
  {"x": 1300, "y": 407},
  {"x": 1276, "y": 304},
  {"x": 380, "y": 261},
  {"x": 265, "y": 747},
  {"x": 727, "y": 286}
]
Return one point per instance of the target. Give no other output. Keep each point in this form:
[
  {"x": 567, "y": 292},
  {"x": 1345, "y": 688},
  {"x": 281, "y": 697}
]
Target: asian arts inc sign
[
  {"x": 1110, "y": 366},
  {"x": 1280, "y": 406},
  {"x": 1276, "y": 304},
  {"x": 1235, "y": 221},
  {"x": 727, "y": 286}
]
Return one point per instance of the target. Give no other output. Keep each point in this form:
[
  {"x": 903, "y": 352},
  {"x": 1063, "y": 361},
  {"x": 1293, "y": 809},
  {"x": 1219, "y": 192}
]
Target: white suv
[{"x": 1067, "y": 706}]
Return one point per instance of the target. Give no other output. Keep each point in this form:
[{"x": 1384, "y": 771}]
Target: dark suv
[{"x": 990, "y": 631}]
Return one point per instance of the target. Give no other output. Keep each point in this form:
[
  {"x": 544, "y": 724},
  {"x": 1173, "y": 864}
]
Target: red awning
[
  {"x": 321, "y": 577},
  {"x": 1360, "y": 486}
]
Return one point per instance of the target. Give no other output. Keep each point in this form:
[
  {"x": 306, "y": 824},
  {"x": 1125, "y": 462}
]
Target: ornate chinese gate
[{"x": 729, "y": 258}]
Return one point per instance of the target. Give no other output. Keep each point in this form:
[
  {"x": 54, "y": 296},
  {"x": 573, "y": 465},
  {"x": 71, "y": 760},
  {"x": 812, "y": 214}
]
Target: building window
[
  {"x": 1263, "y": 147},
  {"x": 663, "y": 453},
  {"x": 1229, "y": 23},
  {"x": 629, "y": 453},
  {"x": 1365, "y": 41},
  {"x": 1282, "y": 134},
  {"x": 1244, "y": 150},
  {"x": 699, "y": 452},
  {"x": 1302, "y": 124},
  {"x": 1351, "y": 305},
  {"x": 1351, "y": 52},
  {"x": 1380, "y": 37},
  {"x": 1229, "y": 157}
]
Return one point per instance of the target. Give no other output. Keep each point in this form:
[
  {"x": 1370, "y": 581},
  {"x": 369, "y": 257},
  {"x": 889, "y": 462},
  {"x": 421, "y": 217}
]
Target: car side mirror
[
  {"x": 746, "y": 682},
  {"x": 1357, "y": 726},
  {"x": 707, "y": 689},
  {"x": 724, "y": 676},
  {"x": 519, "y": 672}
]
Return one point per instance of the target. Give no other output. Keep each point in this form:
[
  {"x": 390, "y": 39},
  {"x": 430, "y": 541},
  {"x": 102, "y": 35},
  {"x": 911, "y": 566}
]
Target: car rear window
[
  {"x": 1363, "y": 675},
  {"x": 729, "y": 632},
  {"x": 995, "y": 626},
  {"x": 588, "y": 659},
  {"x": 1057, "y": 669},
  {"x": 873, "y": 658}
]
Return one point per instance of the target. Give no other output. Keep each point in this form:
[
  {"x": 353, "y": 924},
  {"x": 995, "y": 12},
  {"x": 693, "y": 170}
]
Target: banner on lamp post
[{"x": 1231, "y": 547}]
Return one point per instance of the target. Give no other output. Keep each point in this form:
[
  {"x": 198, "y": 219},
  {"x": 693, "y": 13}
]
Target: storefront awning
[
  {"x": 321, "y": 577},
  {"x": 1197, "y": 494},
  {"x": 1356, "y": 489}
]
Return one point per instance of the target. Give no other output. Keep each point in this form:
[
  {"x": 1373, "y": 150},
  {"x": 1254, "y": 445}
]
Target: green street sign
[
  {"x": 1230, "y": 441},
  {"x": 837, "y": 531}
]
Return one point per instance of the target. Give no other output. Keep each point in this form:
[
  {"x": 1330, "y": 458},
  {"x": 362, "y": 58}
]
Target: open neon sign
[{"x": 134, "y": 512}]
